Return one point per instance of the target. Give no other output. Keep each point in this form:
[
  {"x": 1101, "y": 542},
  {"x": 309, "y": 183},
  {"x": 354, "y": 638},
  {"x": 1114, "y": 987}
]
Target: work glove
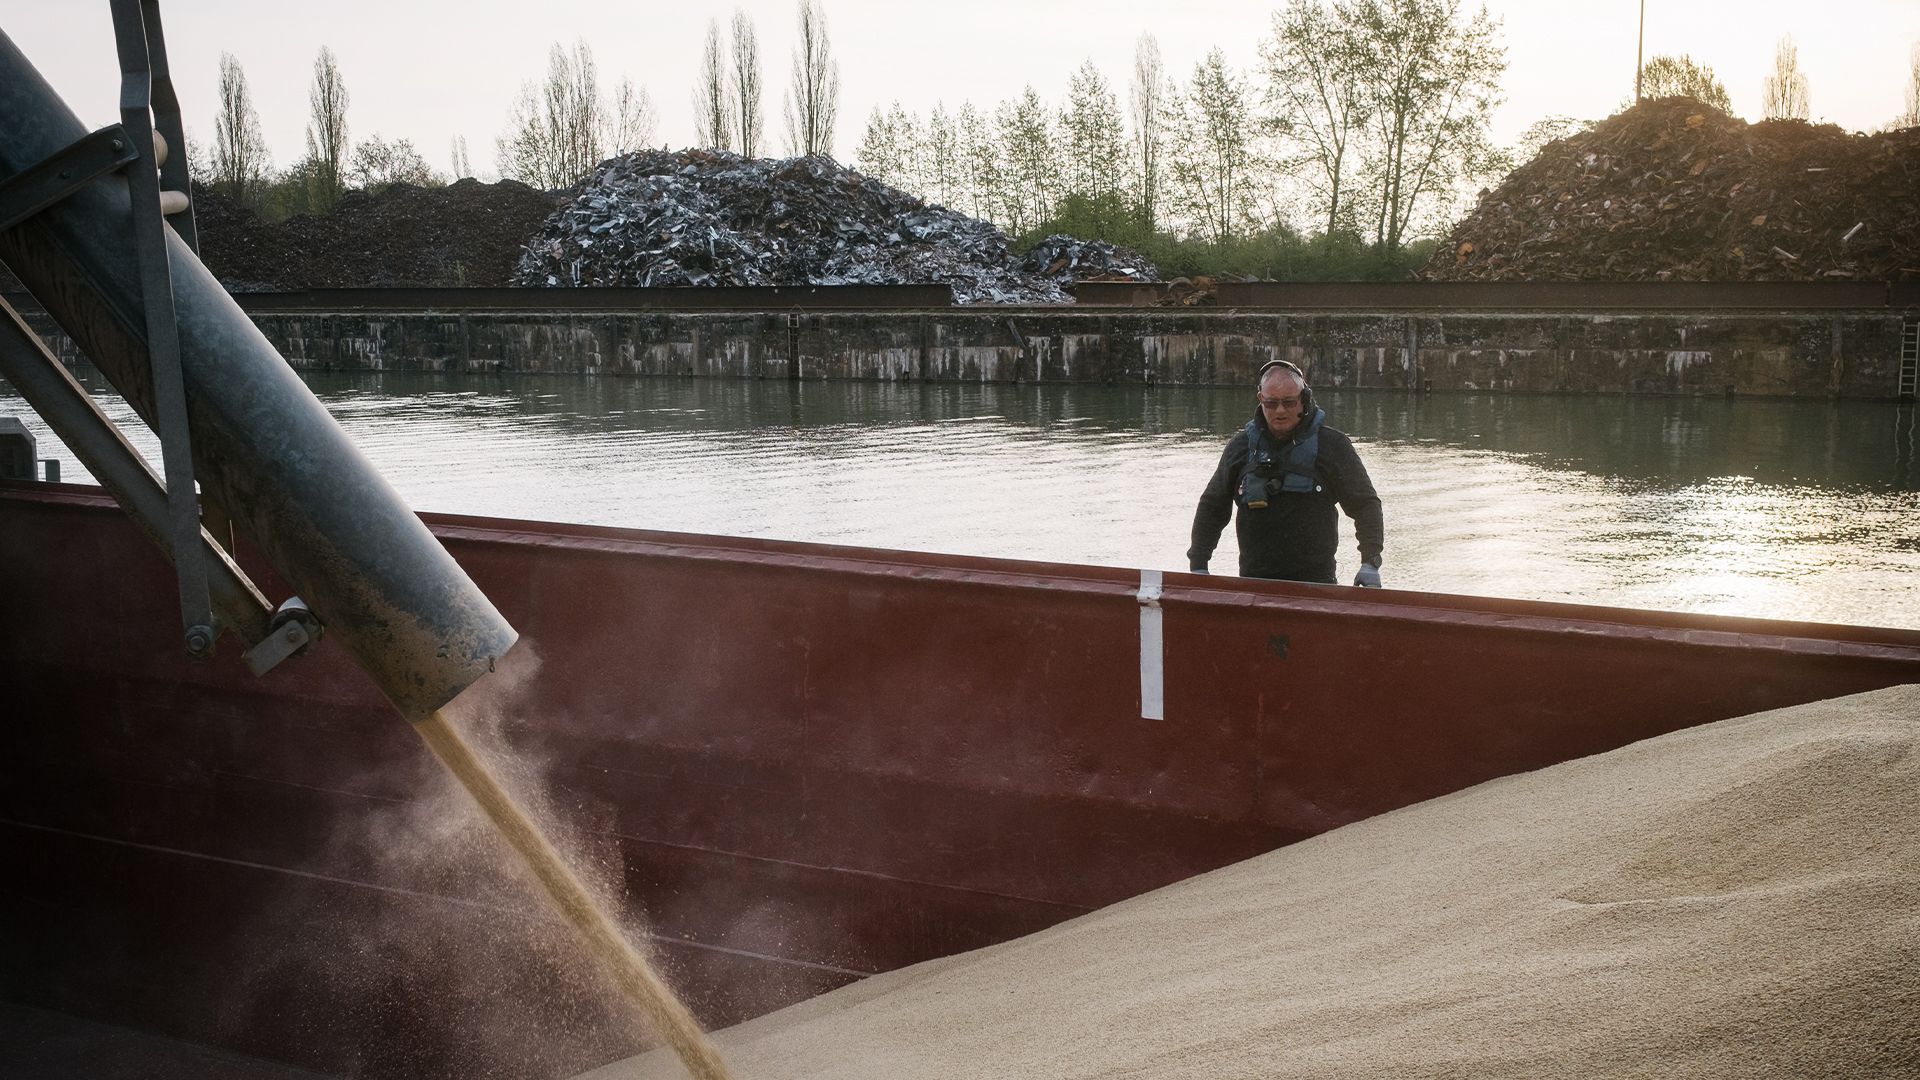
[{"x": 1368, "y": 577}]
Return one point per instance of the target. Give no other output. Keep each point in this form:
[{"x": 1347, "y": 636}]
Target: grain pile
[
  {"x": 1673, "y": 190},
  {"x": 1733, "y": 900}
]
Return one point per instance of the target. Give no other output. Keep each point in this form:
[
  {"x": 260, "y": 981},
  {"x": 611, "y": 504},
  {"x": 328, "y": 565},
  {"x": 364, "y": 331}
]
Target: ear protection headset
[{"x": 1306, "y": 392}]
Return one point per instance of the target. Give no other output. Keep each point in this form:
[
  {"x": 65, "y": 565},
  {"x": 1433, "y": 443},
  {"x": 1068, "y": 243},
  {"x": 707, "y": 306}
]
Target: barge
[
  {"x": 796, "y": 765},
  {"x": 806, "y": 763}
]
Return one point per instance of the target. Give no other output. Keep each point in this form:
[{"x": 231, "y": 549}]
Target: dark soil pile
[
  {"x": 699, "y": 218},
  {"x": 1676, "y": 190},
  {"x": 468, "y": 233}
]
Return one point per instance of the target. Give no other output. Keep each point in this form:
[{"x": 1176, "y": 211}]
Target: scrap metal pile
[
  {"x": 1676, "y": 190},
  {"x": 705, "y": 218},
  {"x": 1066, "y": 259}
]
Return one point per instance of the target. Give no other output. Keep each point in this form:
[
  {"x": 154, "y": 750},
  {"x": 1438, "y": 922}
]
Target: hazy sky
[{"x": 429, "y": 70}]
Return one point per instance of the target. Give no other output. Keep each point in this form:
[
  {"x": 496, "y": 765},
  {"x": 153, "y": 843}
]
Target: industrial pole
[{"x": 1639, "y": 51}]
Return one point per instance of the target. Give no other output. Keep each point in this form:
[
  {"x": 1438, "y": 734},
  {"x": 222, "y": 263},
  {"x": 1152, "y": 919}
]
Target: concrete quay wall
[{"x": 1849, "y": 354}]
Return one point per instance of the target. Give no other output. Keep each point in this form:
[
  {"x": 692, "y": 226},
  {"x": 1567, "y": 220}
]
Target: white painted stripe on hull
[{"x": 1153, "y": 671}]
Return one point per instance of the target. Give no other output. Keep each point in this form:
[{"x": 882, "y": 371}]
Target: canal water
[{"x": 1794, "y": 510}]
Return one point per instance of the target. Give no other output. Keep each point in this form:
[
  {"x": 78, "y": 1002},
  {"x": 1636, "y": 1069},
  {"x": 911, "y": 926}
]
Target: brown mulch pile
[
  {"x": 468, "y": 233},
  {"x": 1676, "y": 190}
]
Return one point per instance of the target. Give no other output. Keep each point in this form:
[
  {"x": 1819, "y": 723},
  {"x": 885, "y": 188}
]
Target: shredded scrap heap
[
  {"x": 699, "y": 217},
  {"x": 1673, "y": 190}
]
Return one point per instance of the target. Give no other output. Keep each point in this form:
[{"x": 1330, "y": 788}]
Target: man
[{"x": 1286, "y": 471}]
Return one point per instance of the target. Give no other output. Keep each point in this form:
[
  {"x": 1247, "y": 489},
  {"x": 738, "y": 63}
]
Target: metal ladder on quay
[{"x": 1909, "y": 357}]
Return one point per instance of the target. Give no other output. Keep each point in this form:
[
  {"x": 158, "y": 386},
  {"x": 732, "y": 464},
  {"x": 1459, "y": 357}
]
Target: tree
[
  {"x": 940, "y": 151},
  {"x": 1212, "y": 150},
  {"x": 1670, "y": 76},
  {"x": 813, "y": 95},
  {"x": 379, "y": 164},
  {"x": 1093, "y": 145},
  {"x": 1147, "y": 104},
  {"x": 240, "y": 160},
  {"x": 982, "y": 176},
  {"x": 713, "y": 94},
  {"x": 887, "y": 148},
  {"x": 556, "y": 131},
  {"x": 1030, "y": 180},
  {"x": 326, "y": 132},
  {"x": 630, "y": 121},
  {"x": 746, "y": 84},
  {"x": 1784, "y": 95},
  {"x": 1910, "y": 115},
  {"x": 1429, "y": 94},
  {"x": 462, "y": 167},
  {"x": 1315, "y": 65}
]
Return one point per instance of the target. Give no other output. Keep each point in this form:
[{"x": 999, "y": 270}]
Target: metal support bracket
[
  {"x": 294, "y": 629},
  {"x": 33, "y": 189},
  {"x": 136, "y": 25},
  {"x": 174, "y": 172},
  {"x": 69, "y": 410}
]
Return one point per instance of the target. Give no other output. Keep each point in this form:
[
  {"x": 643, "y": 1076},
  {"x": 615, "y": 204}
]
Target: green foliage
[
  {"x": 1111, "y": 217},
  {"x": 292, "y": 192},
  {"x": 1280, "y": 254},
  {"x": 1277, "y": 253},
  {"x": 1682, "y": 76},
  {"x": 1212, "y": 164},
  {"x": 1367, "y": 117},
  {"x": 1093, "y": 145},
  {"x": 1030, "y": 170}
]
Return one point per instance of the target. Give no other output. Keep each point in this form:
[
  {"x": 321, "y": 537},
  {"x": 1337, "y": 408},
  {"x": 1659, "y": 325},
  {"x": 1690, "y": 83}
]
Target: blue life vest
[{"x": 1289, "y": 471}]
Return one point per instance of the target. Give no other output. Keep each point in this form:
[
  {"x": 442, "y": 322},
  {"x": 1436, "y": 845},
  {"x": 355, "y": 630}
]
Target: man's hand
[{"x": 1368, "y": 577}]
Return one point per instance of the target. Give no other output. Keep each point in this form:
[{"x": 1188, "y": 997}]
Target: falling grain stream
[{"x": 621, "y": 962}]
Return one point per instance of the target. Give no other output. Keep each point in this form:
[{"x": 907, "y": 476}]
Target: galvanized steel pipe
[{"x": 264, "y": 447}]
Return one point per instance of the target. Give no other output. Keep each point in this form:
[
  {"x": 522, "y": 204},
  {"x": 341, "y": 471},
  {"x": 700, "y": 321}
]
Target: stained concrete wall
[{"x": 1776, "y": 354}]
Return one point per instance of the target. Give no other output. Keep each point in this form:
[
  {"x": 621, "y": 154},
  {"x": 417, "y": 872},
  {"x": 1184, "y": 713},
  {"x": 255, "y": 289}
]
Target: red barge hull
[{"x": 813, "y": 763}]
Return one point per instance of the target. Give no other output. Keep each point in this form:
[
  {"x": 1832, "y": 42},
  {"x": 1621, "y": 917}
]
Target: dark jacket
[{"x": 1294, "y": 537}]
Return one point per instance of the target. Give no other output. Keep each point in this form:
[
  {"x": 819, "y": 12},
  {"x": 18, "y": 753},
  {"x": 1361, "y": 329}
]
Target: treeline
[
  {"x": 1356, "y": 135},
  {"x": 560, "y": 127},
  {"x": 1341, "y": 153}
]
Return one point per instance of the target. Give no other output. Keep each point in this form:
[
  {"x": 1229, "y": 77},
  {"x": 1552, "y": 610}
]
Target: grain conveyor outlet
[{"x": 99, "y": 228}]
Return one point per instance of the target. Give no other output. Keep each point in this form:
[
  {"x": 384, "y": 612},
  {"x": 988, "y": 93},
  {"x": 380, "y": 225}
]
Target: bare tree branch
[
  {"x": 326, "y": 132},
  {"x": 747, "y": 122},
  {"x": 239, "y": 150},
  {"x": 1785, "y": 96},
  {"x": 813, "y": 96},
  {"x": 712, "y": 94},
  {"x": 554, "y": 135},
  {"x": 1147, "y": 104}
]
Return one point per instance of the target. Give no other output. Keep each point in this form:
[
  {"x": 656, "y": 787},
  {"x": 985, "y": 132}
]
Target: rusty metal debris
[
  {"x": 700, "y": 218},
  {"x": 1067, "y": 259},
  {"x": 1673, "y": 190}
]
